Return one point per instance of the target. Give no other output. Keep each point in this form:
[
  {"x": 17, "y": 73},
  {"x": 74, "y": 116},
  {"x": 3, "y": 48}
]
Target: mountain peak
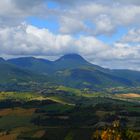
[
  {"x": 70, "y": 61},
  {"x": 71, "y": 56}
]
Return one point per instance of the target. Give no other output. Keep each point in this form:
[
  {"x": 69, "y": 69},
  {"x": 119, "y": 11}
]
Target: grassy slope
[{"x": 18, "y": 96}]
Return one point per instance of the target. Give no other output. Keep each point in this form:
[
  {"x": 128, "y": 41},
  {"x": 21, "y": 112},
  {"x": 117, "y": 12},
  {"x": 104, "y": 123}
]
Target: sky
[{"x": 105, "y": 32}]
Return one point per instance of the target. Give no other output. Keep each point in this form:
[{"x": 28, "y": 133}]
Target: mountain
[
  {"x": 73, "y": 70},
  {"x": 70, "y": 70},
  {"x": 129, "y": 74},
  {"x": 40, "y": 66},
  {"x": 71, "y": 61},
  {"x": 10, "y": 73},
  {"x": 90, "y": 78},
  {"x": 43, "y": 66}
]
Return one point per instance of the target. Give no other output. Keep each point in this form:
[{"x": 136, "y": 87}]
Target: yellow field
[
  {"x": 9, "y": 137},
  {"x": 129, "y": 95},
  {"x": 17, "y": 111},
  {"x": 39, "y": 134},
  {"x": 12, "y": 135}
]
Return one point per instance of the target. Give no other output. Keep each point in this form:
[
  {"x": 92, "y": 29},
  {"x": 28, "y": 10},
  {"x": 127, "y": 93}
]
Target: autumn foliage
[{"x": 115, "y": 132}]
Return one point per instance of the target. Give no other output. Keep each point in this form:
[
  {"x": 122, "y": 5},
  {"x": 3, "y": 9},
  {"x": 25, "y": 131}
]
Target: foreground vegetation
[{"x": 61, "y": 113}]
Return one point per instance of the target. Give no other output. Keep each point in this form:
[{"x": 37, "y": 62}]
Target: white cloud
[
  {"x": 105, "y": 18},
  {"x": 90, "y": 45},
  {"x": 72, "y": 2},
  {"x": 133, "y": 36},
  {"x": 71, "y": 25},
  {"x": 104, "y": 25},
  {"x": 129, "y": 1},
  {"x": 119, "y": 56},
  {"x": 30, "y": 40},
  {"x": 13, "y": 12}
]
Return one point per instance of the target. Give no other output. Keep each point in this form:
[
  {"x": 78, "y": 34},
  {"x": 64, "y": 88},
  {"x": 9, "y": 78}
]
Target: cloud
[
  {"x": 133, "y": 36},
  {"x": 119, "y": 56},
  {"x": 104, "y": 25},
  {"x": 30, "y": 40},
  {"x": 122, "y": 52},
  {"x": 71, "y": 25},
  {"x": 13, "y": 12},
  {"x": 105, "y": 19},
  {"x": 129, "y": 1},
  {"x": 72, "y": 2},
  {"x": 26, "y": 4}
]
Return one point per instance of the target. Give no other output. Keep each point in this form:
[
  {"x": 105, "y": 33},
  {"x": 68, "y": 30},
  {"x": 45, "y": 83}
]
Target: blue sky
[
  {"x": 110, "y": 39},
  {"x": 50, "y": 23}
]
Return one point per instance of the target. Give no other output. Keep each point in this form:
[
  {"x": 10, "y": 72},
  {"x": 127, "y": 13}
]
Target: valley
[
  {"x": 67, "y": 99},
  {"x": 62, "y": 112}
]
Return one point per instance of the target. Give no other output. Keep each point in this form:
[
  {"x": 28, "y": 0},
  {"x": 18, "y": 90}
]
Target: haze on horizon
[{"x": 106, "y": 33}]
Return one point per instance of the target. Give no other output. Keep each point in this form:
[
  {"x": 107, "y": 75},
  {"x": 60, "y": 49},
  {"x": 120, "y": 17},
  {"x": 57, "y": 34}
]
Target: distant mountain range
[{"x": 70, "y": 70}]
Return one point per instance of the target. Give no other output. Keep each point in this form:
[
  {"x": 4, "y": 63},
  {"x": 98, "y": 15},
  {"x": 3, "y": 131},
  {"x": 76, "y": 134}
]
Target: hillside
[
  {"x": 41, "y": 66},
  {"x": 70, "y": 70},
  {"x": 16, "y": 78}
]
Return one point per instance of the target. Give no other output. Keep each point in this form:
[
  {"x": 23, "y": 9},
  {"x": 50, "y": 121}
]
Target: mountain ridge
[
  {"x": 70, "y": 70},
  {"x": 64, "y": 57}
]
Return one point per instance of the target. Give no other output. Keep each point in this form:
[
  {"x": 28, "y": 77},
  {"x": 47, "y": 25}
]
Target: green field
[{"x": 62, "y": 113}]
